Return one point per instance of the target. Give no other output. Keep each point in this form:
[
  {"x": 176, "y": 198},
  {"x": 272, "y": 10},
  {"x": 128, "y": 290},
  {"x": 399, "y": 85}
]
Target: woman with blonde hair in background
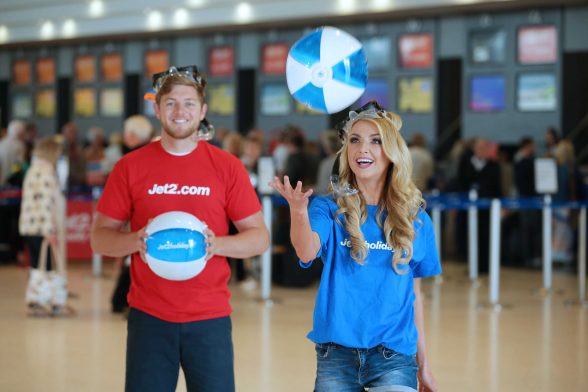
[
  {"x": 40, "y": 223},
  {"x": 376, "y": 242}
]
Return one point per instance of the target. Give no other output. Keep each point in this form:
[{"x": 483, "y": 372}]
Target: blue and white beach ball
[
  {"x": 175, "y": 245},
  {"x": 327, "y": 70}
]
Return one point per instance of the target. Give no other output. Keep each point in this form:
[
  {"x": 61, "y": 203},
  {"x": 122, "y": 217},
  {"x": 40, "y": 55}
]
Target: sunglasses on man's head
[{"x": 189, "y": 72}]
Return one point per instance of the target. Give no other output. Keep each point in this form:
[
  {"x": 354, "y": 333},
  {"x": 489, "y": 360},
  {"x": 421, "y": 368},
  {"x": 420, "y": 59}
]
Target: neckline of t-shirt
[{"x": 173, "y": 154}]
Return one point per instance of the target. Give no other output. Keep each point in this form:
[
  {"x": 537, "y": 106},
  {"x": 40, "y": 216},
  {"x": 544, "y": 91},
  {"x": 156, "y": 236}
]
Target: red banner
[
  {"x": 21, "y": 72},
  {"x": 537, "y": 45},
  {"x": 416, "y": 50},
  {"x": 273, "y": 59},
  {"x": 221, "y": 61},
  {"x": 79, "y": 221}
]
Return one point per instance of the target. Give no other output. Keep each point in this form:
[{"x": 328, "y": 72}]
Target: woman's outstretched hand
[{"x": 297, "y": 199}]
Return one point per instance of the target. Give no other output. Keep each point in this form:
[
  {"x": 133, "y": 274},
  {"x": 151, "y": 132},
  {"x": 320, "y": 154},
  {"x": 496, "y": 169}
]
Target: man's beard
[{"x": 180, "y": 135}]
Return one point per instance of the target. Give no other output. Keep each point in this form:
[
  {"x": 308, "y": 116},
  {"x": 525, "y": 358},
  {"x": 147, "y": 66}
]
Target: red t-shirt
[{"x": 209, "y": 183}]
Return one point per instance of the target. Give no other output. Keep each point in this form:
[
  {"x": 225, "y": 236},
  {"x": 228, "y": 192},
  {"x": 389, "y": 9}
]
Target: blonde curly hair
[{"x": 400, "y": 198}]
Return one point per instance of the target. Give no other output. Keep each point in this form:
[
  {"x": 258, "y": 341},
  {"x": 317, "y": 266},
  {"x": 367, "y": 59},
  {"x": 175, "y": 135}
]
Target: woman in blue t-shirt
[{"x": 376, "y": 242}]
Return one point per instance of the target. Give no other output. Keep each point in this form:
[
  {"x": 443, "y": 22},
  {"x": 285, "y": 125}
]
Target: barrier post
[
  {"x": 582, "y": 257},
  {"x": 494, "y": 253},
  {"x": 547, "y": 256},
  {"x": 473, "y": 236},
  {"x": 266, "y": 257},
  {"x": 96, "y": 258},
  {"x": 436, "y": 218}
]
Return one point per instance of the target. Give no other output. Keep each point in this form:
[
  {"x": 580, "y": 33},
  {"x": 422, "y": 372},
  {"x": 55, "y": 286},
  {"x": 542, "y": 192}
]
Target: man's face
[{"x": 180, "y": 111}]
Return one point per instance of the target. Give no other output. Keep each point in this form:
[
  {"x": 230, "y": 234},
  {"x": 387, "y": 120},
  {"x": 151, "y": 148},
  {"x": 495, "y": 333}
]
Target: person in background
[
  {"x": 331, "y": 144},
  {"x": 136, "y": 134},
  {"x": 39, "y": 224},
  {"x": 482, "y": 173},
  {"x": 376, "y": 242},
  {"x": 551, "y": 140},
  {"x": 94, "y": 157},
  {"x": 180, "y": 324},
  {"x": 113, "y": 152},
  {"x": 75, "y": 156},
  {"x": 12, "y": 149},
  {"x": 530, "y": 219},
  {"x": 568, "y": 182},
  {"x": 423, "y": 165}
]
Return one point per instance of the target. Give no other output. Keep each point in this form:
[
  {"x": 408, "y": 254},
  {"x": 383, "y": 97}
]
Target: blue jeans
[
  {"x": 344, "y": 369},
  {"x": 156, "y": 349}
]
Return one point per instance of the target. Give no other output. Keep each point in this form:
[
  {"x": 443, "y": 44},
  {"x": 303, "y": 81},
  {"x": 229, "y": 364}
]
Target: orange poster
[
  {"x": 156, "y": 61},
  {"x": 46, "y": 71},
  {"x": 85, "y": 68},
  {"x": 112, "y": 67},
  {"x": 21, "y": 72}
]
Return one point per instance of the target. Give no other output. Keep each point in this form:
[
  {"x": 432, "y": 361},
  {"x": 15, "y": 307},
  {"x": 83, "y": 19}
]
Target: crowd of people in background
[{"x": 480, "y": 164}]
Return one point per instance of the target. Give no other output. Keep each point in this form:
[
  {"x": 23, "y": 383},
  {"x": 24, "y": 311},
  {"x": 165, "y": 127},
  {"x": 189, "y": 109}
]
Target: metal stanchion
[
  {"x": 582, "y": 258},
  {"x": 436, "y": 218},
  {"x": 266, "y": 257},
  {"x": 96, "y": 258},
  {"x": 547, "y": 256},
  {"x": 473, "y": 236},
  {"x": 494, "y": 254}
]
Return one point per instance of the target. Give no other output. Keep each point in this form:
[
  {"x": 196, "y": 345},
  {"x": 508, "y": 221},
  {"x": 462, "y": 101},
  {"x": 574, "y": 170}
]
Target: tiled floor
[{"x": 537, "y": 342}]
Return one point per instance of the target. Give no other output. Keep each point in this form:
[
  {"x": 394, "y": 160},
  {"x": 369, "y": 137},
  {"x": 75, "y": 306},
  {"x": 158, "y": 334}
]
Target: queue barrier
[
  {"x": 471, "y": 203},
  {"x": 80, "y": 208}
]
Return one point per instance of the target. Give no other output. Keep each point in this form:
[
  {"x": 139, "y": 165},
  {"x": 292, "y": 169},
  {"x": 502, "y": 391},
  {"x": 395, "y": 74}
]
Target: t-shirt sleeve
[
  {"x": 115, "y": 201},
  {"x": 425, "y": 258},
  {"x": 242, "y": 201},
  {"x": 321, "y": 222}
]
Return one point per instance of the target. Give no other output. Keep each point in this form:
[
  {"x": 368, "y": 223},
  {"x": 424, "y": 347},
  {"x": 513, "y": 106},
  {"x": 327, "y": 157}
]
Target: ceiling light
[
  {"x": 47, "y": 30},
  {"x": 68, "y": 29},
  {"x": 96, "y": 9},
  {"x": 346, "y": 6},
  {"x": 381, "y": 5},
  {"x": 243, "y": 12},
  {"x": 195, "y": 3},
  {"x": 3, "y": 34},
  {"x": 181, "y": 17},
  {"x": 154, "y": 20}
]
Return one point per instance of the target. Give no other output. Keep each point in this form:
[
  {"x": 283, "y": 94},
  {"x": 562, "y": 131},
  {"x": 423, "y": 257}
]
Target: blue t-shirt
[{"x": 363, "y": 306}]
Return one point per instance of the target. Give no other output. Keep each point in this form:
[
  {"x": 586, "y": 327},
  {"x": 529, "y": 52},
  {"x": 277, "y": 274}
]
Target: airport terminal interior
[{"x": 493, "y": 97}]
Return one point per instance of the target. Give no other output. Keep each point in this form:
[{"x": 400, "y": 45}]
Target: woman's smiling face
[{"x": 365, "y": 153}]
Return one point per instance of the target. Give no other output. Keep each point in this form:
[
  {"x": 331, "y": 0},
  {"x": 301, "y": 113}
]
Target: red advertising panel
[
  {"x": 46, "y": 70},
  {"x": 416, "y": 50},
  {"x": 537, "y": 45},
  {"x": 79, "y": 220},
  {"x": 273, "y": 59},
  {"x": 221, "y": 61},
  {"x": 156, "y": 61},
  {"x": 21, "y": 72}
]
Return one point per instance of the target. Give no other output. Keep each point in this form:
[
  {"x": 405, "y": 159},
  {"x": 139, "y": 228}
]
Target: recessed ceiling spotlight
[
  {"x": 47, "y": 30},
  {"x": 68, "y": 29},
  {"x": 195, "y": 3},
  {"x": 3, "y": 34},
  {"x": 243, "y": 12},
  {"x": 96, "y": 8},
  {"x": 181, "y": 17},
  {"x": 154, "y": 20}
]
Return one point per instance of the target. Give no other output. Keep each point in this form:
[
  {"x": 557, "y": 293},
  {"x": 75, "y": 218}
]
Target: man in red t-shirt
[{"x": 180, "y": 323}]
